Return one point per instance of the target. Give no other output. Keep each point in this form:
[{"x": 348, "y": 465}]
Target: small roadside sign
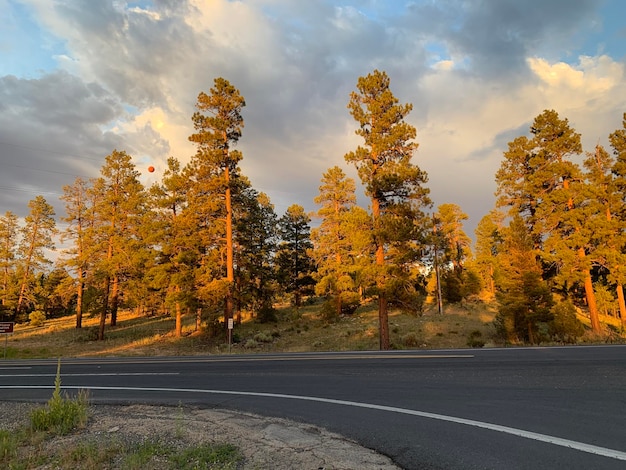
[{"x": 6, "y": 327}]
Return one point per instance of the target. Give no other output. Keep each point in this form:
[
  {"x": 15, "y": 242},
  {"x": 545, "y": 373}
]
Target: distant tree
[
  {"x": 488, "y": 246},
  {"x": 256, "y": 241},
  {"x": 539, "y": 182},
  {"x": 119, "y": 205},
  {"x": 333, "y": 239},
  {"x": 393, "y": 183},
  {"x": 173, "y": 233},
  {"x": 37, "y": 234},
  {"x": 78, "y": 219},
  {"x": 454, "y": 245},
  {"x": 618, "y": 144},
  {"x": 214, "y": 169},
  {"x": 524, "y": 297},
  {"x": 293, "y": 261},
  {"x": 9, "y": 233}
]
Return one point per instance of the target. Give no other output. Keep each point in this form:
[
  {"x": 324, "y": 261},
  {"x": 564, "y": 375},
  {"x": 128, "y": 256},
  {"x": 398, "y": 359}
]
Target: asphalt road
[{"x": 537, "y": 408}]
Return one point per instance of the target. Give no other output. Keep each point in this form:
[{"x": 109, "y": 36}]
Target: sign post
[
  {"x": 6, "y": 328},
  {"x": 230, "y": 333}
]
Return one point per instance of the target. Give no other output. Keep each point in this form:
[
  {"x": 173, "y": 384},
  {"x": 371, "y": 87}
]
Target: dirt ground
[{"x": 266, "y": 443}]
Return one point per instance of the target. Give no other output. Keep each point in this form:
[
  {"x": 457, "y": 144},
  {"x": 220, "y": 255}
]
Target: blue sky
[{"x": 79, "y": 78}]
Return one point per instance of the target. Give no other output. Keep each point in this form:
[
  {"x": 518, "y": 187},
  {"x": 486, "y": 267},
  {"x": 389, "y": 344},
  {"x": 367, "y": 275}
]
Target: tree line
[{"x": 202, "y": 241}]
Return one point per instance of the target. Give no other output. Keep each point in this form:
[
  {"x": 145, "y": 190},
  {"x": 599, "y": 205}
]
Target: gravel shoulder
[{"x": 266, "y": 443}]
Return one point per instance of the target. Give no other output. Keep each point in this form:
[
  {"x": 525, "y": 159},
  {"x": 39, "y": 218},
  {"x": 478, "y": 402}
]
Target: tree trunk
[
  {"x": 230, "y": 274},
  {"x": 105, "y": 308},
  {"x": 198, "y": 319},
  {"x": 383, "y": 316},
  {"x": 383, "y": 320},
  {"x": 591, "y": 303},
  {"x": 79, "y": 300},
  {"x": 115, "y": 297},
  {"x": 179, "y": 320},
  {"x": 622, "y": 304}
]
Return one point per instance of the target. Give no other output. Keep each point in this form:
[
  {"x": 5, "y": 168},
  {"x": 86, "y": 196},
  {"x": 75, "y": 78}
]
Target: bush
[
  {"x": 37, "y": 318},
  {"x": 474, "y": 339},
  {"x": 267, "y": 314},
  {"x": 61, "y": 414},
  {"x": 565, "y": 327},
  {"x": 411, "y": 340}
]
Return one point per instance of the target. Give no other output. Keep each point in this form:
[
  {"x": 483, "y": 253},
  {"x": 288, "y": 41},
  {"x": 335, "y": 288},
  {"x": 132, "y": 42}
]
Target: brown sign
[{"x": 6, "y": 327}]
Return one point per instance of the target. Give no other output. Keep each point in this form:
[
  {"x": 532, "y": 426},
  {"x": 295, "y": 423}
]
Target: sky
[{"x": 80, "y": 78}]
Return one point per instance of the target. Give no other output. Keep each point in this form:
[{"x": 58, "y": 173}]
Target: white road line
[
  {"x": 580, "y": 446},
  {"x": 116, "y": 374}
]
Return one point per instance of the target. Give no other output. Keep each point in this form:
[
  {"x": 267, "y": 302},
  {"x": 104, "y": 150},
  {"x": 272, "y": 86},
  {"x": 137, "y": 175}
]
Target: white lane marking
[
  {"x": 580, "y": 446},
  {"x": 15, "y": 368},
  {"x": 117, "y": 374}
]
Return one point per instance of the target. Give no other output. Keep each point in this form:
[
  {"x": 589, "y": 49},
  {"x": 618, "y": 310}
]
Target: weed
[{"x": 62, "y": 414}]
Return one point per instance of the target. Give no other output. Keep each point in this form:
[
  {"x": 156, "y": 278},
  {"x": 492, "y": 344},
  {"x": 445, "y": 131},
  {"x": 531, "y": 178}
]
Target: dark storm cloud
[
  {"x": 498, "y": 36},
  {"x": 51, "y": 132}
]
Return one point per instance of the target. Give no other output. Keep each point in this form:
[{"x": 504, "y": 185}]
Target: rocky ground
[{"x": 266, "y": 443}]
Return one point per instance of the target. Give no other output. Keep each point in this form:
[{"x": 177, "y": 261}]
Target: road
[{"x": 531, "y": 408}]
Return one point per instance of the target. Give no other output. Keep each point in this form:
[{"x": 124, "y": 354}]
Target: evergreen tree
[
  {"x": 78, "y": 220},
  {"x": 37, "y": 234},
  {"x": 393, "y": 183},
  {"x": 177, "y": 245},
  {"x": 333, "y": 240},
  {"x": 213, "y": 170},
  {"x": 9, "y": 233},
  {"x": 293, "y": 261},
  {"x": 618, "y": 144},
  {"x": 525, "y": 299},
  {"x": 539, "y": 182},
  {"x": 256, "y": 239},
  {"x": 118, "y": 209},
  {"x": 488, "y": 247}
]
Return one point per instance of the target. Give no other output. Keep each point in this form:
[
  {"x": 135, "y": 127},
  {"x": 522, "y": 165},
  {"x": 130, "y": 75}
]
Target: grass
[
  {"x": 297, "y": 330},
  {"x": 25, "y": 447}
]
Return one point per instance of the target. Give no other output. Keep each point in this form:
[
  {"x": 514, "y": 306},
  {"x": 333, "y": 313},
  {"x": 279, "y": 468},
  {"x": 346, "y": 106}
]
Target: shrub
[
  {"x": 474, "y": 339},
  {"x": 411, "y": 340},
  {"x": 565, "y": 327},
  {"x": 37, "y": 318},
  {"x": 62, "y": 414}
]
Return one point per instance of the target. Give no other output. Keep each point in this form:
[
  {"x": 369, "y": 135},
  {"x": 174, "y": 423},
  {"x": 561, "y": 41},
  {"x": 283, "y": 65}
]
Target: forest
[{"x": 202, "y": 242}]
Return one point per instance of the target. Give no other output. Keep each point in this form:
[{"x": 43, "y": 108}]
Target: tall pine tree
[{"x": 393, "y": 183}]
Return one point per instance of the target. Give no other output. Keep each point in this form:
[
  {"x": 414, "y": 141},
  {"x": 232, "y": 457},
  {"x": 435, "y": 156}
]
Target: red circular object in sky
[{"x": 151, "y": 169}]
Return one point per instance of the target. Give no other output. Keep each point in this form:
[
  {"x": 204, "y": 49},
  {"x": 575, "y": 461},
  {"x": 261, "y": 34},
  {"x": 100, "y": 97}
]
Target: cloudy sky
[{"x": 79, "y": 78}]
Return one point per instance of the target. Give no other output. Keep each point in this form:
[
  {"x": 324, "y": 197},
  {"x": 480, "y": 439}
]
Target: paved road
[{"x": 539, "y": 408}]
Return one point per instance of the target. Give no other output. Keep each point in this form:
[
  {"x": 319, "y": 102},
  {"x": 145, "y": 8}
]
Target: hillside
[{"x": 294, "y": 331}]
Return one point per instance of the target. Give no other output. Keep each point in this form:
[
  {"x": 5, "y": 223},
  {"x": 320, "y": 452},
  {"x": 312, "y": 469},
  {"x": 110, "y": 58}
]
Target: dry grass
[{"x": 295, "y": 331}]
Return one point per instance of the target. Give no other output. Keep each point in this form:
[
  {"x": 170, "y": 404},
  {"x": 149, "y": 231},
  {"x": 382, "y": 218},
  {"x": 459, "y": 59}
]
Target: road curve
[{"x": 528, "y": 408}]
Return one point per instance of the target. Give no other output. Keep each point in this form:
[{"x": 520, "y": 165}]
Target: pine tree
[
  {"x": 214, "y": 169},
  {"x": 37, "y": 234},
  {"x": 118, "y": 209},
  {"x": 618, "y": 144},
  {"x": 525, "y": 299},
  {"x": 9, "y": 233},
  {"x": 78, "y": 220},
  {"x": 539, "y": 182},
  {"x": 332, "y": 239},
  {"x": 173, "y": 233},
  {"x": 488, "y": 246},
  {"x": 255, "y": 239},
  {"x": 293, "y": 262},
  {"x": 392, "y": 182}
]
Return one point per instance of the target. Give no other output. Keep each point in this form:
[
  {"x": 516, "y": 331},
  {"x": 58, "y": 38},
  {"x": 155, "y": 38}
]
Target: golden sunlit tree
[
  {"x": 212, "y": 170},
  {"x": 394, "y": 184}
]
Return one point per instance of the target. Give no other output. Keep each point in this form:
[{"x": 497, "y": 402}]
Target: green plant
[
  {"x": 207, "y": 456},
  {"x": 474, "y": 339},
  {"x": 411, "y": 340},
  {"x": 37, "y": 318},
  {"x": 62, "y": 414}
]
